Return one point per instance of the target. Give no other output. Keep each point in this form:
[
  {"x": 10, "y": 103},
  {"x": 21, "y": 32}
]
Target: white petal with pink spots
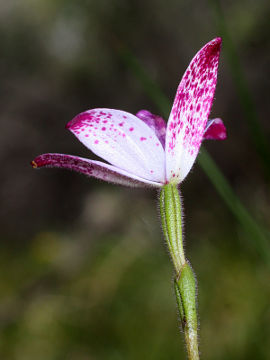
[
  {"x": 123, "y": 140},
  {"x": 190, "y": 112}
]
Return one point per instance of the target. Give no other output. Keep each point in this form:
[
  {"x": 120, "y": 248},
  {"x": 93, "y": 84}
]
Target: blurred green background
[{"x": 85, "y": 272}]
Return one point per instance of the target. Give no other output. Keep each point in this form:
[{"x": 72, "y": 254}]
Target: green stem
[
  {"x": 184, "y": 283},
  {"x": 170, "y": 210}
]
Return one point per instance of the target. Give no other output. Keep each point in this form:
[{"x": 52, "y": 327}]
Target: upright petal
[
  {"x": 215, "y": 130},
  {"x": 91, "y": 168},
  {"x": 155, "y": 122},
  {"x": 190, "y": 111},
  {"x": 123, "y": 140}
]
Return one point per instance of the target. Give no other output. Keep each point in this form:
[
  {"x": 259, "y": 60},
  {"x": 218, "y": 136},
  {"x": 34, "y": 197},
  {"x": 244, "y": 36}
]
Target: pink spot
[
  {"x": 151, "y": 171},
  {"x": 96, "y": 141},
  {"x": 142, "y": 138},
  {"x": 103, "y": 129},
  {"x": 121, "y": 124},
  {"x": 131, "y": 129}
]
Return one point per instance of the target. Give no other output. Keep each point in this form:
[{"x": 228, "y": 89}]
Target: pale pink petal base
[
  {"x": 215, "y": 130},
  {"x": 190, "y": 111},
  {"x": 92, "y": 168}
]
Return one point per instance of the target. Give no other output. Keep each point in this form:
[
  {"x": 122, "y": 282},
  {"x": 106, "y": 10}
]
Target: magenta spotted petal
[{"x": 190, "y": 111}]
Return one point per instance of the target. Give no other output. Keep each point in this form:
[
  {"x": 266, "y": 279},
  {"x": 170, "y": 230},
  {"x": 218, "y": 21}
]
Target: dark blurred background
[{"x": 84, "y": 269}]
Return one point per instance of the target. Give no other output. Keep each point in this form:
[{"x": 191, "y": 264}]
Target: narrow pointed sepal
[{"x": 96, "y": 169}]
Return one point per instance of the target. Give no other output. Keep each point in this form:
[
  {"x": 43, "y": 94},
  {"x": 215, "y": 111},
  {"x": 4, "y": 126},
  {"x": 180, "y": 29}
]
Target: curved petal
[
  {"x": 215, "y": 130},
  {"x": 91, "y": 168},
  {"x": 190, "y": 111},
  {"x": 123, "y": 140},
  {"x": 155, "y": 122}
]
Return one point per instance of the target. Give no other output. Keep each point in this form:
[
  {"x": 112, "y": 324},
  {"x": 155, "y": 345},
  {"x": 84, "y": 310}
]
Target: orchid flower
[{"x": 141, "y": 150}]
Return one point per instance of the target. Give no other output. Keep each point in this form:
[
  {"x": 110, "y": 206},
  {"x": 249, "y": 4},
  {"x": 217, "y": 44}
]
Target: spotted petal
[
  {"x": 91, "y": 168},
  {"x": 215, "y": 130},
  {"x": 190, "y": 111},
  {"x": 123, "y": 140}
]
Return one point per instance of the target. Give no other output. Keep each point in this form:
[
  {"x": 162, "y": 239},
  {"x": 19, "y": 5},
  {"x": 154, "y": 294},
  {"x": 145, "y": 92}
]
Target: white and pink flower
[{"x": 141, "y": 150}]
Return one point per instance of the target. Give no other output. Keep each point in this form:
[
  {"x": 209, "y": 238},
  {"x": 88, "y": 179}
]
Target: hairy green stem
[
  {"x": 170, "y": 210},
  {"x": 184, "y": 283}
]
